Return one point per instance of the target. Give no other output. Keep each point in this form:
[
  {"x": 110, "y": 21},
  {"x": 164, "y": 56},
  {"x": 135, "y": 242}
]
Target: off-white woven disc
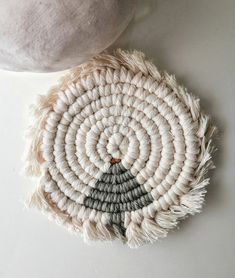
[{"x": 120, "y": 149}]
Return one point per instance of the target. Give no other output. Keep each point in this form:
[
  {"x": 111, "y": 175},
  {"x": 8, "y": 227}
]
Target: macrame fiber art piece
[{"x": 120, "y": 150}]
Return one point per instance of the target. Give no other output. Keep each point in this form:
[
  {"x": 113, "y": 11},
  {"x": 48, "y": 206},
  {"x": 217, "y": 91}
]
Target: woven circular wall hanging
[{"x": 120, "y": 149}]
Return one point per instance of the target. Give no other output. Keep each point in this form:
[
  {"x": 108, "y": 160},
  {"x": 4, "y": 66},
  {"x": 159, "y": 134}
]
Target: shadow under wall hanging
[{"x": 120, "y": 150}]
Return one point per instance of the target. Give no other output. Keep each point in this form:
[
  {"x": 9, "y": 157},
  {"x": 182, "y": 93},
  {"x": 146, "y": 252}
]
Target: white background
[{"x": 195, "y": 40}]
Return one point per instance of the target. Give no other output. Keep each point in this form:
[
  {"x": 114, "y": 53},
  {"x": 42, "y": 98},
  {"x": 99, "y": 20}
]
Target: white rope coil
[{"x": 121, "y": 150}]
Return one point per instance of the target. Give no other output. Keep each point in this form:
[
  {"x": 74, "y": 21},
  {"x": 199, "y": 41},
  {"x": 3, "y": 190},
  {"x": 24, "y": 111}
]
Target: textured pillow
[{"x": 52, "y": 35}]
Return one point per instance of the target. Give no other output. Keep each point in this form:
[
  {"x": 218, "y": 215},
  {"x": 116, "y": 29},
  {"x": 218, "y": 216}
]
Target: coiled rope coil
[{"x": 121, "y": 150}]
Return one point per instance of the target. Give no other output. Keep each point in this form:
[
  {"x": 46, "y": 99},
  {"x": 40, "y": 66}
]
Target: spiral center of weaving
[{"x": 117, "y": 146}]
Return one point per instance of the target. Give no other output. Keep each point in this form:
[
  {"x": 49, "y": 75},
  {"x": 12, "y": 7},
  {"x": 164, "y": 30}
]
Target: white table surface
[{"x": 195, "y": 40}]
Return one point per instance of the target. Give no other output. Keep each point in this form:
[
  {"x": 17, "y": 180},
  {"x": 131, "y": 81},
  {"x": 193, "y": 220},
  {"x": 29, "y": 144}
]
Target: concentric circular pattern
[{"x": 121, "y": 150}]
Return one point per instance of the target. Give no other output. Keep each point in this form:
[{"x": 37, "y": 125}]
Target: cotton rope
[{"x": 120, "y": 149}]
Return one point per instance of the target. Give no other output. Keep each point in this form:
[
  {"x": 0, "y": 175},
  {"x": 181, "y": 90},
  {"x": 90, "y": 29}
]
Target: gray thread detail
[
  {"x": 117, "y": 168},
  {"x": 115, "y": 192},
  {"x": 118, "y": 188},
  {"x": 117, "y": 221},
  {"x": 116, "y": 178},
  {"x": 111, "y": 197}
]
